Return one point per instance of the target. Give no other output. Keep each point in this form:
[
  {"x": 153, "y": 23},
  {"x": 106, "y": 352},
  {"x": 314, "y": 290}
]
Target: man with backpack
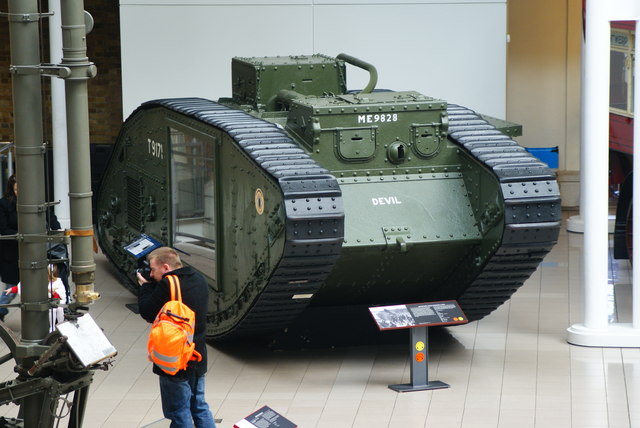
[{"x": 182, "y": 393}]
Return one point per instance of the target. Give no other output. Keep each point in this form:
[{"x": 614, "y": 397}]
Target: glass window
[
  {"x": 194, "y": 220},
  {"x": 619, "y": 94},
  {"x": 622, "y": 59}
]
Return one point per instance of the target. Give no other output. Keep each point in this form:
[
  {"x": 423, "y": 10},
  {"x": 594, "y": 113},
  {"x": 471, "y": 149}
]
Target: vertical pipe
[
  {"x": 594, "y": 186},
  {"x": 58, "y": 119},
  {"x": 29, "y": 147},
  {"x": 27, "y": 107},
  {"x": 636, "y": 188},
  {"x": 74, "y": 48}
]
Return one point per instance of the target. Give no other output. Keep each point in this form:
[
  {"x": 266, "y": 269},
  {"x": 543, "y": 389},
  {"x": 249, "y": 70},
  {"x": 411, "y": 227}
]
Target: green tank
[{"x": 296, "y": 193}]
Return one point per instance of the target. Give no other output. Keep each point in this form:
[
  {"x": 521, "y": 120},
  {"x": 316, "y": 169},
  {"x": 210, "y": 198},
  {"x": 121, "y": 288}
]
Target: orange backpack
[{"x": 170, "y": 344}]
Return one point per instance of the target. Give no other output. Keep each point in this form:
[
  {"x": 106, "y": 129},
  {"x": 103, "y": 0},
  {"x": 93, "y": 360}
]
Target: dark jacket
[
  {"x": 153, "y": 295},
  {"x": 9, "y": 248},
  {"x": 9, "y": 270}
]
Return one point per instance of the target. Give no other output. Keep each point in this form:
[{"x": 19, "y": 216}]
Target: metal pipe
[
  {"x": 81, "y": 70},
  {"x": 373, "y": 73},
  {"x": 27, "y": 107}
]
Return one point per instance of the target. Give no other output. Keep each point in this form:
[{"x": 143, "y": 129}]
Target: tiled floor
[{"x": 511, "y": 369}]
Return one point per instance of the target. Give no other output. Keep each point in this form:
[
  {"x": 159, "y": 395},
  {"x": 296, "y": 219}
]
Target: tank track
[
  {"x": 532, "y": 211},
  {"x": 314, "y": 222}
]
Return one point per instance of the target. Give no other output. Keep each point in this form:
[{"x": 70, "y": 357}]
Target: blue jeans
[
  {"x": 6, "y": 299},
  {"x": 183, "y": 402}
]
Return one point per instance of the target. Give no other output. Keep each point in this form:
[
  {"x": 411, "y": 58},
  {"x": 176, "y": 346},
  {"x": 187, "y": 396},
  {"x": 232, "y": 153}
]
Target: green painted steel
[
  {"x": 296, "y": 192},
  {"x": 46, "y": 370}
]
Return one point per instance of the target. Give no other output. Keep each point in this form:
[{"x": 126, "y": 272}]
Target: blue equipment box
[{"x": 548, "y": 155}]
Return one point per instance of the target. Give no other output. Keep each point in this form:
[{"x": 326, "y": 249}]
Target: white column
[
  {"x": 596, "y": 330},
  {"x": 594, "y": 187},
  {"x": 58, "y": 120}
]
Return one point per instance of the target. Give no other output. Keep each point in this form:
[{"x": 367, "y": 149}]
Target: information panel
[
  {"x": 142, "y": 246},
  {"x": 446, "y": 312},
  {"x": 265, "y": 417}
]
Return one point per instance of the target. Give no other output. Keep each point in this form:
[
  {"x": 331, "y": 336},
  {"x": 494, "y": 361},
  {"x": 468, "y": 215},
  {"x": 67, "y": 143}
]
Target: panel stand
[{"x": 419, "y": 344}]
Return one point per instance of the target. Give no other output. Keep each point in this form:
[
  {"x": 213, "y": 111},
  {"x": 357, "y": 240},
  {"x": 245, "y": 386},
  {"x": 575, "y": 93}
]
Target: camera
[{"x": 145, "y": 270}]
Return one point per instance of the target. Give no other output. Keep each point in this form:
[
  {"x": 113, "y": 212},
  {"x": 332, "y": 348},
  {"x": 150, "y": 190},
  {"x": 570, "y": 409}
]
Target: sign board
[
  {"x": 265, "y": 417},
  {"x": 446, "y": 312},
  {"x": 142, "y": 246},
  {"x": 86, "y": 340}
]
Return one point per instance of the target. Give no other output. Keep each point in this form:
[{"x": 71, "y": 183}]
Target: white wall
[
  {"x": 543, "y": 79},
  {"x": 450, "y": 49}
]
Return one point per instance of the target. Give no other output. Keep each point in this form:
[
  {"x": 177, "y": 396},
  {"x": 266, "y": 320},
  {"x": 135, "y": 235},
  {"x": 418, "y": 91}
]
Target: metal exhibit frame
[{"x": 46, "y": 366}]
